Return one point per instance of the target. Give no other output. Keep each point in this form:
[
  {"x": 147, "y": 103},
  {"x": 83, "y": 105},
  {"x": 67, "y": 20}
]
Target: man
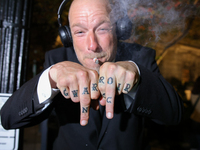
[{"x": 122, "y": 88}]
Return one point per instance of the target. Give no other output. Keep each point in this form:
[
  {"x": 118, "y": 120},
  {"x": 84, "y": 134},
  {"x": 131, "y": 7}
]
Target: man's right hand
[{"x": 78, "y": 83}]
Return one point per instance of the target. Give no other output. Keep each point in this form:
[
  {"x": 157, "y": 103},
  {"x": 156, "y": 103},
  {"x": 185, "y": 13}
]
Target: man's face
[{"x": 92, "y": 32}]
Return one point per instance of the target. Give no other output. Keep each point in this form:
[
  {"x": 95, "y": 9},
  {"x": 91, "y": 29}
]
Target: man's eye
[
  {"x": 79, "y": 33},
  {"x": 103, "y": 30}
]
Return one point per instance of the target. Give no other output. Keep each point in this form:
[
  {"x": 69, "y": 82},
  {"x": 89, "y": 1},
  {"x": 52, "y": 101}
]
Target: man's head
[{"x": 92, "y": 32}]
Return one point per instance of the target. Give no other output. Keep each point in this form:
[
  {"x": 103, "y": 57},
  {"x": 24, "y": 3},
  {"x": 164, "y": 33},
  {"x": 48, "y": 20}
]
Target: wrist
[{"x": 52, "y": 82}]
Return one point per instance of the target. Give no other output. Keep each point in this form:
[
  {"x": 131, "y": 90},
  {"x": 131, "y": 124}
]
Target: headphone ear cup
[
  {"x": 65, "y": 36},
  {"x": 124, "y": 28}
]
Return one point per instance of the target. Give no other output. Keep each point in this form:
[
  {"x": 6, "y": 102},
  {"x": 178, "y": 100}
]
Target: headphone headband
[{"x": 60, "y": 10}]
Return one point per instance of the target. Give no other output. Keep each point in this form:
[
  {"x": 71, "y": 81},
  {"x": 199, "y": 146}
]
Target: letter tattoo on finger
[
  {"x": 85, "y": 91},
  {"x": 94, "y": 87},
  {"x": 118, "y": 87},
  {"x": 85, "y": 109},
  {"x": 127, "y": 87},
  {"x": 101, "y": 79},
  {"x": 110, "y": 80},
  {"x": 108, "y": 99},
  {"x": 65, "y": 93},
  {"x": 75, "y": 93},
  {"x": 104, "y": 95}
]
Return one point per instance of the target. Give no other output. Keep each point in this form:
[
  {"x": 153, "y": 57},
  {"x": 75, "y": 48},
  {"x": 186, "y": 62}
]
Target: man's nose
[{"x": 92, "y": 41}]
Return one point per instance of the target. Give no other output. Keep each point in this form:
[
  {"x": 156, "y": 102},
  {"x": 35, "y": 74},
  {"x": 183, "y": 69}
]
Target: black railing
[{"x": 15, "y": 18}]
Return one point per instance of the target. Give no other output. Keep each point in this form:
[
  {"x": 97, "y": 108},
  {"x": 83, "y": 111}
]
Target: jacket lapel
[
  {"x": 119, "y": 108},
  {"x": 105, "y": 123}
]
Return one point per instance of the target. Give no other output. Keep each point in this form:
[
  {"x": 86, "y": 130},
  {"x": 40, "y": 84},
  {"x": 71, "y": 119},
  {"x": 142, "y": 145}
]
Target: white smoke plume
[{"x": 152, "y": 16}]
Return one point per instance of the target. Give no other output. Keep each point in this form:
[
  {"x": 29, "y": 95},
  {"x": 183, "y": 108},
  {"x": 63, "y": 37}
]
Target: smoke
[{"x": 152, "y": 17}]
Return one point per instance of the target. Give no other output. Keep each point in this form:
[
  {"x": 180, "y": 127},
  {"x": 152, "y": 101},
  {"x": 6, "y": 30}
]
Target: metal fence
[{"x": 15, "y": 18}]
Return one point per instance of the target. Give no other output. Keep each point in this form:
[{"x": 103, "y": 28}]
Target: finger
[
  {"x": 128, "y": 82},
  {"x": 120, "y": 82},
  {"x": 65, "y": 93},
  {"x": 74, "y": 92},
  {"x": 102, "y": 99},
  {"x": 127, "y": 87},
  {"x": 110, "y": 95},
  {"x": 95, "y": 94},
  {"x": 94, "y": 90},
  {"x": 85, "y": 99},
  {"x": 102, "y": 88}
]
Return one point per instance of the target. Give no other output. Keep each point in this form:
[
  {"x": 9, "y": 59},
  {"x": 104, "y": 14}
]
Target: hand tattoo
[
  {"x": 75, "y": 93},
  {"x": 127, "y": 87},
  {"x": 101, "y": 80},
  {"x": 85, "y": 91},
  {"x": 110, "y": 80},
  {"x": 94, "y": 87},
  {"x": 104, "y": 95},
  {"x": 65, "y": 93},
  {"x": 108, "y": 100},
  {"x": 118, "y": 87},
  {"x": 85, "y": 109}
]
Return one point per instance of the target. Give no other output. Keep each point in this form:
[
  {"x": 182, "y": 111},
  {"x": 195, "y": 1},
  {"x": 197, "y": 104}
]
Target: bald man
[{"x": 99, "y": 104}]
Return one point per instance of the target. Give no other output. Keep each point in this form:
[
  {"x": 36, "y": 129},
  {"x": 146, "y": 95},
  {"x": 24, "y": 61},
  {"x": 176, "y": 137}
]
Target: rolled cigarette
[{"x": 96, "y": 61}]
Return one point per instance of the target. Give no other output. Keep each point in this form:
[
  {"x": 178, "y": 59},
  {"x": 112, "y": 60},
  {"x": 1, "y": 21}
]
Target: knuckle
[
  {"x": 101, "y": 87},
  {"x": 75, "y": 100},
  {"x": 95, "y": 96},
  {"x": 121, "y": 74},
  {"x": 71, "y": 78},
  {"x": 130, "y": 75},
  {"x": 83, "y": 73},
  {"x": 112, "y": 67},
  {"x": 85, "y": 101},
  {"x": 94, "y": 73},
  {"x": 62, "y": 82}
]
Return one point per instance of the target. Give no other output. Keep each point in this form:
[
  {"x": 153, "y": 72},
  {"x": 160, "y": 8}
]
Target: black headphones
[{"x": 123, "y": 28}]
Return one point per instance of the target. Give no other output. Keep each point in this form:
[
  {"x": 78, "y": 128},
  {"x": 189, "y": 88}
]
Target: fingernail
[
  {"x": 84, "y": 122},
  {"x": 109, "y": 115}
]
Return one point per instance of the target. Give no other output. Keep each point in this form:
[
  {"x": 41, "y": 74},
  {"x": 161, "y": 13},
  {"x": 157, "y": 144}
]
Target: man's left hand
[{"x": 116, "y": 78}]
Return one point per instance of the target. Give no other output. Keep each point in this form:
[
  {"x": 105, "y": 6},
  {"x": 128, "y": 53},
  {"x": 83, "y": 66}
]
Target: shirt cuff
[{"x": 44, "y": 90}]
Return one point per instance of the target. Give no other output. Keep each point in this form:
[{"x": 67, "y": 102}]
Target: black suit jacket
[{"x": 155, "y": 99}]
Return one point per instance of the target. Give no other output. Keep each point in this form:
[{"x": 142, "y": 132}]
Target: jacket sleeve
[
  {"x": 20, "y": 110},
  {"x": 155, "y": 98}
]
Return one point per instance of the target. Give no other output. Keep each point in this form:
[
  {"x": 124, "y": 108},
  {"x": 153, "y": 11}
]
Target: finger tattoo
[
  {"x": 85, "y": 91},
  {"x": 118, "y": 87},
  {"x": 85, "y": 109},
  {"x": 65, "y": 93},
  {"x": 127, "y": 87},
  {"x": 101, "y": 79},
  {"x": 75, "y": 93},
  {"x": 104, "y": 95},
  {"x": 110, "y": 80},
  {"x": 108, "y": 99},
  {"x": 94, "y": 87}
]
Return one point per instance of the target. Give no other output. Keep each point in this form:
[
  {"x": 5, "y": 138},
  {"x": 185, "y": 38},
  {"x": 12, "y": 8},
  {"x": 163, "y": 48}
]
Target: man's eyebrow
[
  {"x": 78, "y": 25},
  {"x": 104, "y": 21},
  {"x": 83, "y": 26}
]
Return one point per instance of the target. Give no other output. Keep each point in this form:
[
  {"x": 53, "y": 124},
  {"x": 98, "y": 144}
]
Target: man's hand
[
  {"x": 78, "y": 83},
  {"x": 84, "y": 85},
  {"x": 121, "y": 76}
]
